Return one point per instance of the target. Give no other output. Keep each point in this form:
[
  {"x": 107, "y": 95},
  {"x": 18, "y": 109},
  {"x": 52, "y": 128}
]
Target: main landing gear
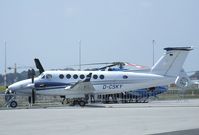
[
  {"x": 79, "y": 102},
  {"x": 76, "y": 101},
  {"x": 10, "y": 100}
]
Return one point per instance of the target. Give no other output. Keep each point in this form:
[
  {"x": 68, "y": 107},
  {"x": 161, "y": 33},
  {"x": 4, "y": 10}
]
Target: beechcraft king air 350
[{"x": 77, "y": 84}]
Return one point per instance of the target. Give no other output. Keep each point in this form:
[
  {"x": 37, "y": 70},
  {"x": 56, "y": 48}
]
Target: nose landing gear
[
  {"x": 13, "y": 104},
  {"x": 10, "y": 100}
]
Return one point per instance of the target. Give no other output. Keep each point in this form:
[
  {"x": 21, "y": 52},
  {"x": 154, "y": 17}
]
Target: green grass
[
  {"x": 2, "y": 88},
  {"x": 175, "y": 94}
]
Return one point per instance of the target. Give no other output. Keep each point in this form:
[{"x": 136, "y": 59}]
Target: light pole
[
  {"x": 5, "y": 72},
  {"x": 80, "y": 43},
  {"x": 153, "y": 42},
  {"x": 15, "y": 68}
]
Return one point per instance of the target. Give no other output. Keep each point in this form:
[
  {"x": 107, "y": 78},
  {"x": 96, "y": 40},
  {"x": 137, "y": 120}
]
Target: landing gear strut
[{"x": 74, "y": 101}]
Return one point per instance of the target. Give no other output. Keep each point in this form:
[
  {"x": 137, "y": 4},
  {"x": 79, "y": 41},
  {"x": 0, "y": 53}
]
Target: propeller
[
  {"x": 29, "y": 74},
  {"x": 33, "y": 95},
  {"x": 112, "y": 64}
]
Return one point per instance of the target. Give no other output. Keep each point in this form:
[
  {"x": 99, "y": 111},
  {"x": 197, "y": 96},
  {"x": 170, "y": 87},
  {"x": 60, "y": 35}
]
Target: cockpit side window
[{"x": 49, "y": 76}]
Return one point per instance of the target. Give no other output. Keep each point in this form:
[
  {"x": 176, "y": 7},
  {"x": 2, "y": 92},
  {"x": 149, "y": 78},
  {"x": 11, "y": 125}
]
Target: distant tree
[
  {"x": 11, "y": 77},
  {"x": 1, "y": 79}
]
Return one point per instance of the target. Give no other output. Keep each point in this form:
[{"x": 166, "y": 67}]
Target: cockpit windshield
[
  {"x": 42, "y": 76},
  {"x": 47, "y": 76}
]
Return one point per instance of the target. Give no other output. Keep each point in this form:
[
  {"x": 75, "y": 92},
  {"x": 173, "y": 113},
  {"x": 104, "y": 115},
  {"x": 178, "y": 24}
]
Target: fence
[{"x": 172, "y": 94}]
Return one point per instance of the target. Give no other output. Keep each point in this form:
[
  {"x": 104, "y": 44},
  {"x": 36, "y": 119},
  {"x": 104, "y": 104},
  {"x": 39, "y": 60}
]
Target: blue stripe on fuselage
[{"x": 50, "y": 85}]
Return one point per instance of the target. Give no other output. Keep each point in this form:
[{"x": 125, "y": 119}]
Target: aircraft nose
[
  {"x": 19, "y": 86},
  {"x": 15, "y": 86},
  {"x": 11, "y": 87}
]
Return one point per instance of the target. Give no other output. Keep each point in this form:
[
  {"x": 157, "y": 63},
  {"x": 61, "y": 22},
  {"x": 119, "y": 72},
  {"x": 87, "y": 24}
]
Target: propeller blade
[
  {"x": 38, "y": 65},
  {"x": 111, "y": 64},
  {"x": 33, "y": 96},
  {"x": 92, "y": 64},
  {"x": 33, "y": 90},
  {"x": 32, "y": 75},
  {"x": 135, "y": 65},
  {"x": 29, "y": 74},
  {"x": 103, "y": 68}
]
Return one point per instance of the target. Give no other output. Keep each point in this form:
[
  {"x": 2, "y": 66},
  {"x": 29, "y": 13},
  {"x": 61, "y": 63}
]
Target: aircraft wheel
[
  {"x": 82, "y": 103},
  {"x": 13, "y": 104},
  {"x": 146, "y": 101}
]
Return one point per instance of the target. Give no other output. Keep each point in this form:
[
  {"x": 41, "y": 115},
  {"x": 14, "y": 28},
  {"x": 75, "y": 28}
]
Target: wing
[{"x": 82, "y": 86}]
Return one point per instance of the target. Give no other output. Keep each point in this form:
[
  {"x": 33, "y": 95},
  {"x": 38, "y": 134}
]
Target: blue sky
[{"x": 110, "y": 30}]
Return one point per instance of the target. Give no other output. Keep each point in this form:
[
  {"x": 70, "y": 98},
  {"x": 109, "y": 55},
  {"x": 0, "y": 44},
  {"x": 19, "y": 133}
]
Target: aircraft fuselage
[{"x": 104, "y": 82}]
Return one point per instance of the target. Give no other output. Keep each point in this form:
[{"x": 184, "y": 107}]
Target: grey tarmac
[{"x": 153, "y": 118}]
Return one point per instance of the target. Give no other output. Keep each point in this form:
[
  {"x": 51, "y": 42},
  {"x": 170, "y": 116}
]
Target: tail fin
[{"x": 171, "y": 62}]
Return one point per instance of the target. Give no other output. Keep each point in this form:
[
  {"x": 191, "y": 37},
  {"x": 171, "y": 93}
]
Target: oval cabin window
[
  {"x": 101, "y": 76},
  {"x": 68, "y": 76},
  {"x": 61, "y": 76},
  {"x": 75, "y": 76},
  {"x": 82, "y": 76},
  {"x": 95, "y": 76}
]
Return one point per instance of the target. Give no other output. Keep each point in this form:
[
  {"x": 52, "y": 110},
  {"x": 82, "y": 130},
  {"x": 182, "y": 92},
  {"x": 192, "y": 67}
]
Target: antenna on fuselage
[
  {"x": 5, "y": 72},
  {"x": 153, "y": 43}
]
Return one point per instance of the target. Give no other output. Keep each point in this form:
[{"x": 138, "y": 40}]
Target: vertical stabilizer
[{"x": 171, "y": 62}]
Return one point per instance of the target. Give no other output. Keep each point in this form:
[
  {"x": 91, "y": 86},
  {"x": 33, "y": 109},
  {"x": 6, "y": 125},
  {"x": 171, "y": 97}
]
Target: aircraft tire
[
  {"x": 82, "y": 103},
  {"x": 13, "y": 104}
]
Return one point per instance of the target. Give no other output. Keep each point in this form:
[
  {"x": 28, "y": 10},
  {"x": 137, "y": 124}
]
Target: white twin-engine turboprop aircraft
[{"x": 77, "y": 84}]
